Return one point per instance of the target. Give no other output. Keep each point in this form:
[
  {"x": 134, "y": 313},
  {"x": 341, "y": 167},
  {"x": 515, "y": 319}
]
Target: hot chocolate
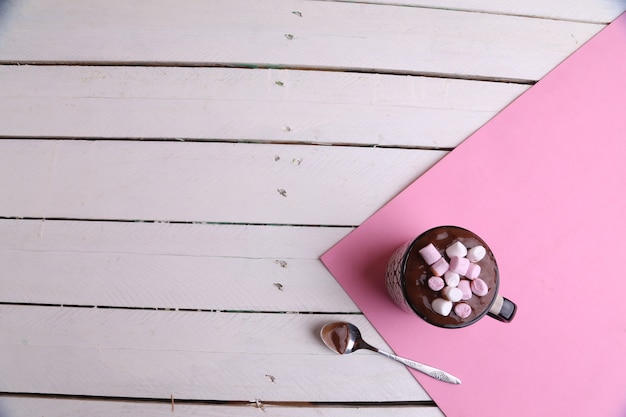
[{"x": 477, "y": 280}]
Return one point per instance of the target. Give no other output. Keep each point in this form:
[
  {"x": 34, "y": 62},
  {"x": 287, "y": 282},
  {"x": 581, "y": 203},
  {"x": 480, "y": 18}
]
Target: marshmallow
[
  {"x": 441, "y": 306},
  {"x": 436, "y": 283},
  {"x": 462, "y": 310},
  {"x": 453, "y": 294},
  {"x": 430, "y": 254},
  {"x": 452, "y": 278},
  {"x": 476, "y": 254},
  {"x": 456, "y": 249},
  {"x": 459, "y": 265},
  {"x": 479, "y": 287},
  {"x": 473, "y": 271},
  {"x": 439, "y": 267},
  {"x": 464, "y": 286}
]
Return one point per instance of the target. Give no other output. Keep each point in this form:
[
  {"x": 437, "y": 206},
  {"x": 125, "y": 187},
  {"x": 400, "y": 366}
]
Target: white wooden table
[{"x": 171, "y": 171}]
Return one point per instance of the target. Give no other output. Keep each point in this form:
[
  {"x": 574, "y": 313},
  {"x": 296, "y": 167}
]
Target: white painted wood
[
  {"x": 187, "y": 266},
  {"x": 243, "y": 104},
  {"x": 29, "y": 407},
  {"x": 321, "y": 34},
  {"x": 217, "y": 182},
  {"x": 599, "y": 11},
  {"x": 165, "y": 281},
  {"x": 176, "y": 239},
  {"x": 192, "y": 355}
]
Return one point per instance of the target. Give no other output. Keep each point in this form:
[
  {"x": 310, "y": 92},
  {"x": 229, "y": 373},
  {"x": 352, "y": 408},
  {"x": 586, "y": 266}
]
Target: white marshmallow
[
  {"x": 439, "y": 267},
  {"x": 459, "y": 265},
  {"x": 473, "y": 271},
  {"x": 453, "y": 294},
  {"x": 452, "y": 278},
  {"x": 476, "y": 254},
  {"x": 462, "y": 310},
  {"x": 430, "y": 254},
  {"x": 436, "y": 283},
  {"x": 456, "y": 249},
  {"x": 464, "y": 286},
  {"x": 441, "y": 306},
  {"x": 479, "y": 287}
]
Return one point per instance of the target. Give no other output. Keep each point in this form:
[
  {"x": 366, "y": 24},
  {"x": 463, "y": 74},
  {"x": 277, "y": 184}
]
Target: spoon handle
[{"x": 428, "y": 370}]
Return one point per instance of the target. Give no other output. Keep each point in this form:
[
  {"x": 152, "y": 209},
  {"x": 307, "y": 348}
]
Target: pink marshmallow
[
  {"x": 479, "y": 287},
  {"x": 464, "y": 285},
  {"x": 462, "y": 310},
  {"x": 436, "y": 283},
  {"x": 440, "y": 267},
  {"x": 430, "y": 254},
  {"x": 459, "y": 265},
  {"x": 473, "y": 271}
]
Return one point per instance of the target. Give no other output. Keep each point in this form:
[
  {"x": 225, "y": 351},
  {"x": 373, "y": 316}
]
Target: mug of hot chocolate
[{"x": 449, "y": 277}]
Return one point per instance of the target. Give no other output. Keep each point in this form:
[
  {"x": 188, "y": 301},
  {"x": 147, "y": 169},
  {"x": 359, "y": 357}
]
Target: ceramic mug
[{"x": 407, "y": 276}]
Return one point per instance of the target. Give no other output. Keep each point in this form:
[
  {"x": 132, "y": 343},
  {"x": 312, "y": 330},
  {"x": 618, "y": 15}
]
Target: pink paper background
[{"x": 548, "y": 193}]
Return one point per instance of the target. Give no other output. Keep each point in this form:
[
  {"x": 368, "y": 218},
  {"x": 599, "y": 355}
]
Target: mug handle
[{"x": 502, "y": 309}]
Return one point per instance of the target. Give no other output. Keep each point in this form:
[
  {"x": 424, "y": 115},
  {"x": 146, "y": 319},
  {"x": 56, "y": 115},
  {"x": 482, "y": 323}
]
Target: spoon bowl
[{"x": 345, "y": 338}]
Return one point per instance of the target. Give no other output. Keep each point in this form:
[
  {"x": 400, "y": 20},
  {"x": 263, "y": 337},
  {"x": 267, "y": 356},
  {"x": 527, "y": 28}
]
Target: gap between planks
[
  {"x": 174, "y": 222},
  {"x": 257, "y": 66},
  {"x": 173, "y": 309},
  {"x": 245, "y": 403},
  {"x": 51, "y": 407},
  {"x": 447, "y": 7},
  {"x": 227, "y": 141}
]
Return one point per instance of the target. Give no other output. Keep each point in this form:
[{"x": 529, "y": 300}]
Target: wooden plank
[
  {"x": 191, "y": 355},
  {"x": 175, "y": 266},
  {"x": 598, "y": 11},
  {"x": 215, "y": 182},
  {"x": 29, "y": 407},
  {"x": 320, "y": 35},
  {"x": 176, "y": 239},
  {"x": 165, "y": 281},
  {"x": 244, "y": 104}
]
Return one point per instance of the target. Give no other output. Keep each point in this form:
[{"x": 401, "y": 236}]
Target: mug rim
[{"x": 405, "y": 258}]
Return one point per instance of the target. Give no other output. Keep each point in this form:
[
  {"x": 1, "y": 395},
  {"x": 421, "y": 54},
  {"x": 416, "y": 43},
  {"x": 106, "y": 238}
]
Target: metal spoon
[{"x": 345, "y": 338}]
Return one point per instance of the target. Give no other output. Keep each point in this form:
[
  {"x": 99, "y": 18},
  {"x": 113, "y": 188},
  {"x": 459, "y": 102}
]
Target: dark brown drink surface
[{"x": 417, "y": 273}]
